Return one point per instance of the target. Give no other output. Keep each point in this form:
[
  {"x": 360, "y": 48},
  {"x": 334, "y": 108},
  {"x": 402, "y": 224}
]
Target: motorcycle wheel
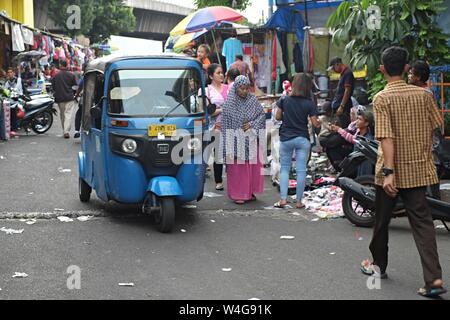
[
  {"x": 165, "y": 217},
  {"x": 354, "y": 212},
  {"x": 42, "y": 122},
  {"x": 84, "y": 190}
]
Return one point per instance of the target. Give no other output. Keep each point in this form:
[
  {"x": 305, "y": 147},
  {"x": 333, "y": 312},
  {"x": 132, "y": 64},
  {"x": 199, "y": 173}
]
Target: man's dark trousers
[{"x": 422, "y": 226}]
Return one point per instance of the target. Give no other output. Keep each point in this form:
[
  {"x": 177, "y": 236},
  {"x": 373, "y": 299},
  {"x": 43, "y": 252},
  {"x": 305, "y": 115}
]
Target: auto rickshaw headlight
[
  {"x": 194, "y": 145},
  {"x": 129, "y": 146}
]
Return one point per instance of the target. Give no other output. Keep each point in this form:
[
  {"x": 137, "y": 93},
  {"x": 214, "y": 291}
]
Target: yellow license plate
[{"x": 167, "y": 130}]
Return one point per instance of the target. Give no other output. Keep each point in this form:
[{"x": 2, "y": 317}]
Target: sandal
[
  {"x": 300, "y": 206},
  {"x": 239, "y": 202},
  {"x": 219, "y": 187},
  {"x": 279, "y": 205},
  {"x": 369, "y": 269},
  {"x": 431, "y": 292}
]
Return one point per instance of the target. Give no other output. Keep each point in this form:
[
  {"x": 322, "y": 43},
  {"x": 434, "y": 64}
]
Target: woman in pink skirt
[{"x": 243, "y": 122}]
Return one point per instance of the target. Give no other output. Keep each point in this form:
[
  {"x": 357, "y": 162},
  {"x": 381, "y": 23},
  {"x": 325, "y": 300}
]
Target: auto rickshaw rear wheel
[
  {"x": 165, "y": 216},
  {"x": 84, "y": 190}
]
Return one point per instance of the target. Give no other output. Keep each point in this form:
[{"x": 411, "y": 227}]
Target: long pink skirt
[{"x": 244, "y": 180}]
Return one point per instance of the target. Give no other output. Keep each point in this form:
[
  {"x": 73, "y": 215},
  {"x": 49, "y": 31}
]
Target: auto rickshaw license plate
[{"x": 165, "y": 129}]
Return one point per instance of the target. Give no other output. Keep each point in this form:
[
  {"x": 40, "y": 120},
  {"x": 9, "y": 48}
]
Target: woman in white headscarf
[{"x": 243, "y": 122}]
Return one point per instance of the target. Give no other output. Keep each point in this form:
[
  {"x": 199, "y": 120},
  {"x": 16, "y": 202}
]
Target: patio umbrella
[
  {"x": 186, "y": 39},
  {"x": 206, "y": 18}
]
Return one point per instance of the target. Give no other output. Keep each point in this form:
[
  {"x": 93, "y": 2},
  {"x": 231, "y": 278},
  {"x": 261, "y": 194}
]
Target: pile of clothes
[{"x": 325, "y": 202}]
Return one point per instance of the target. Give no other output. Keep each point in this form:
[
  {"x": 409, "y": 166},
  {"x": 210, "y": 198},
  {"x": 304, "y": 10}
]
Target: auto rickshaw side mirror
[{"x": 96, "y": 111}]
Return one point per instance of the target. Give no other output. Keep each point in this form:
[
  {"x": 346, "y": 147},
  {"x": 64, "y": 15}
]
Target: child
[{"x": 203, "y": 52}]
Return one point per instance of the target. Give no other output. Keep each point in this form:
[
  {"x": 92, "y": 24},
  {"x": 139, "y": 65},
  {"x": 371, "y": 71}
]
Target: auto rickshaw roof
[{"x": 102, "y": 64}]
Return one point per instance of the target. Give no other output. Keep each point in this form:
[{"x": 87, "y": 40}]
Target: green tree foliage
[
  {"x": 57, "y": 10},
  {"x": 99, "y": 18},
  {"x": 408, "y": 23},
  {"x": 240, "y": 4}
]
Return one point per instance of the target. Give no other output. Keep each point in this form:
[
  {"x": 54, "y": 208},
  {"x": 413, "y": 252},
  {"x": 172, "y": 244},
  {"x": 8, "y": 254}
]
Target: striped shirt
[{"x": 407, "y": 114}]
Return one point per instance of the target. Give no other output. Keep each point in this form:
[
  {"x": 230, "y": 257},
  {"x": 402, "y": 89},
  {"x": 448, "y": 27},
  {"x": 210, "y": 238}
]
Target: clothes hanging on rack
[
  {"x": 260, "y": 60},
  {"x": 27, "y": 36},
  {"x": 298, "y": 58},
  {"x": 17, "y": 38},
  {"x": 231, "y": 48}
]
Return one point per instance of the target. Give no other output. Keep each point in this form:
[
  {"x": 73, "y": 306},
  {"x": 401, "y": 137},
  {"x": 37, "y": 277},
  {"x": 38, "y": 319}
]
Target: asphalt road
[{"x": 225, "y": 252}]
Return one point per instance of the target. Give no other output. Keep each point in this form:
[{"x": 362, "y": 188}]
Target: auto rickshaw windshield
[{"x": 155, "y": 92}]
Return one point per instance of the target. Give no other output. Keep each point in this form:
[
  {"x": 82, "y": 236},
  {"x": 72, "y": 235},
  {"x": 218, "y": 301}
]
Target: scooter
[
  {"x": 37, "y": 113},
  {"x": 358, "y": 202}
]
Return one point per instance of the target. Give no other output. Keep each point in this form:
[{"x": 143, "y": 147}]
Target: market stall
[{"x": 31, "y": 51}]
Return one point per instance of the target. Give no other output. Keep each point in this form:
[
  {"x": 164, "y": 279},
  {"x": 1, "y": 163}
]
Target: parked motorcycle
[
  {"x": 358, "y": 201},
  {"x": 35, "y": 113}
]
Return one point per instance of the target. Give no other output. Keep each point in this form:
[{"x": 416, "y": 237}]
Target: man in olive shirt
[
  {"x": 405, "y": 117},
  {"x": 63, "y": 84}
]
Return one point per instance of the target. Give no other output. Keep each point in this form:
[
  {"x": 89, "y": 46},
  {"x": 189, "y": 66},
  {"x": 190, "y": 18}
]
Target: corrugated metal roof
[{"x": 177, "y": 7}]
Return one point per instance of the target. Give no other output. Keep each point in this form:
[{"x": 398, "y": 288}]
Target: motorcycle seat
[{"x": 34, "y": 104}]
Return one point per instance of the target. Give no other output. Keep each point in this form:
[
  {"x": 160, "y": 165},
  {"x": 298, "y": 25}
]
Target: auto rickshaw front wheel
[
  {"x": 84, "y": 190},
  {"x": 165, "y": 216}
]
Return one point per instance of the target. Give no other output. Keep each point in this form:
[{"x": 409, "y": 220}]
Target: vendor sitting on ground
[{"x": 364, "y": 124}]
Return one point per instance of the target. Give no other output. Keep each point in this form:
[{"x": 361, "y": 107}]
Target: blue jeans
[{"x": 301, "y": 146}]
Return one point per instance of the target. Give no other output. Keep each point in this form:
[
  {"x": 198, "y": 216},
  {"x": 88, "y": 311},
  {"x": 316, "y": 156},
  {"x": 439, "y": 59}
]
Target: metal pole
[
  {"x": 215, "y": 46},
  {"x": 306, "y": 13},
  {"x": 270, "y": 8}
]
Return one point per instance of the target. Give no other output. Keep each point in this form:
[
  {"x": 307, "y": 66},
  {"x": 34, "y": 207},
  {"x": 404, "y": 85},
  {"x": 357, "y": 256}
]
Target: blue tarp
[{"x": 288, "y": 19}]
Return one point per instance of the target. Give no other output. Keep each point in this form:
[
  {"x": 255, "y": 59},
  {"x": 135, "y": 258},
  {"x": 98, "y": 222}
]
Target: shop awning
[{"x": 289, "y": 18}]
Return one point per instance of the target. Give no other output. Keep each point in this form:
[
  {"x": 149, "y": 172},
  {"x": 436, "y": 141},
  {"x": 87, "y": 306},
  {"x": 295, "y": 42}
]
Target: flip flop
[
  {"x": 370, "y": 269},
  {"x": 300, "y": 207},
  {"x": 279, "y": 205},
  {"x": 431, "y": 292},
  {"x": 239, "y": 202}
]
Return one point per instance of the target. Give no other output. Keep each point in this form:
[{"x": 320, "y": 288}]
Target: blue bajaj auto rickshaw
[{"x": 133, "y": 111}]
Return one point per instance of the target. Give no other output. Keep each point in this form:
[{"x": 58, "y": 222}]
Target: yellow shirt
[{"x": 407, "y": 114}]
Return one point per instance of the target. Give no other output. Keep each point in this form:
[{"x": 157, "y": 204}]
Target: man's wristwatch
[{"x": 387, "y": 172}]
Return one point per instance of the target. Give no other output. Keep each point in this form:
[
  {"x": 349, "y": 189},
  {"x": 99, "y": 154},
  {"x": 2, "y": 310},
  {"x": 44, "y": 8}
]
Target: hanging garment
[
  {"x": 7, "y": 28},
  {"x": 277, "y": 58},
  {"x": 308, "y": 53},
  {"x": 27, "y": 36},
  {"x": 17, "y": 38},
  {"x": 62, "y": 54},
  {"x": 231, "y": 48},
  {"x": 298, "y": 58}
]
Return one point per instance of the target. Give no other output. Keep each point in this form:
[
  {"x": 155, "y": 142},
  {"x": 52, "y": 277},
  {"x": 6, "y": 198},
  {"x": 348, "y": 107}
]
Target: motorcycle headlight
[
  {"x": 129, "y": 146},
  {"x": 194, "y": 145}
]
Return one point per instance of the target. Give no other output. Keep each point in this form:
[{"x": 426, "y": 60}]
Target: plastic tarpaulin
[{"x": 289, "y": 19}]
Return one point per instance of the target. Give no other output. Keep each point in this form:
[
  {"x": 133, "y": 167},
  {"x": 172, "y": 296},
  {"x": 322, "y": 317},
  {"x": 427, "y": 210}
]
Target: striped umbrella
[{"x": 206, "y": 18}]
